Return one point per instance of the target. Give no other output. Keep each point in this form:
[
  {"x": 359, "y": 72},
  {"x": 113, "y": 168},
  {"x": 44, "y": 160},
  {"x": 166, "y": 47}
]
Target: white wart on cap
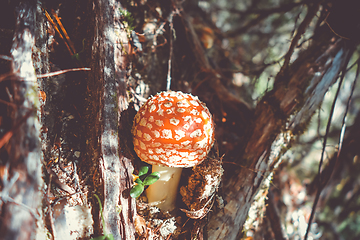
[{"x": 173, "y": 129}]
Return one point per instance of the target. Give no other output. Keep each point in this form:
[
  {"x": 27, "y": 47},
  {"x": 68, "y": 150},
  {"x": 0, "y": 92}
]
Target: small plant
[
  {"x": 106, "y": 236},
  {"x": 77, "y": 55},
  {"x": 143, "y": 180},
  {"x": 128, "y": 20}
]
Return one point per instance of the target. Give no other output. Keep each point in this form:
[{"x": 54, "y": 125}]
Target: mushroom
[{"x": 171, "y": 131}]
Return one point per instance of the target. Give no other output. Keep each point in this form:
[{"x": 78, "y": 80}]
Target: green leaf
[
  {"x": 136, "y": 190},
  {"x": 76, "y": 56},
  {"x": 110, "y": 237},
  {"x": 138, "y": 181},
  {"x": 99, "y": 238},
  {"x": 143, "y": 170},
  {"x": 101, "y": 212},
  {"x": 153, "y": 177}
]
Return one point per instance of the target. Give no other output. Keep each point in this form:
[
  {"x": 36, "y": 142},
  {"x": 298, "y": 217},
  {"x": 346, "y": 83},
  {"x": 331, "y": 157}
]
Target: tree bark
[
  {"x": 106, "y": 166},
  {"x": 21, "y": 174},
  {"x": 297, "y": 93},
  {"x": 106, "y": 96}
]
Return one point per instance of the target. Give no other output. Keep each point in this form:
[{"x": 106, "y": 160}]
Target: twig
[
  {"x": 5, "y": 76},
  {"x": 320, "y": 184},
  {"x": 57, "y": 29},
  {"x": 62, "y": 72},
  {"x": 168, "y": 78},
  {"x": 157, "y": 32},
  {"x": 331, "y": 29},
  {"x": 10, "y": 104},
  {"x": 266, "y": 11},
  {"x": 4, "y": 194},
  {"x": 262, "y": 14},
  {"x": 304, "y": 24},
  {"x": 343, "y": 125},
  {"x": 64, "y": 31},
  {"x": 6, "y": 137},
  {"x": 51, "y": 218},
  {"x": 202, "y": 212},
  {"x": 171, "y": 24},
  {"x": 7, "y": 58}
]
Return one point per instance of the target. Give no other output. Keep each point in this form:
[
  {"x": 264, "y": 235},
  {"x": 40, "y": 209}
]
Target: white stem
[{"x": 162, "y": 193}]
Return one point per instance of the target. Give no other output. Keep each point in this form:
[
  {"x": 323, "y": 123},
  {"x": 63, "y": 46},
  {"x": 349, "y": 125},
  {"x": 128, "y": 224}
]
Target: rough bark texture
[
  {"x": 320, "y": 65},
  {"x": 256, "y": 138},
  {"x": 21, "y": 173},
  {"x": 107, "y": 99}
]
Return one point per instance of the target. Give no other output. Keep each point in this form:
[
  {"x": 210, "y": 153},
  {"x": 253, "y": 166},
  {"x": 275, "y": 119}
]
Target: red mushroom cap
[{"x": 173, "y": 129}]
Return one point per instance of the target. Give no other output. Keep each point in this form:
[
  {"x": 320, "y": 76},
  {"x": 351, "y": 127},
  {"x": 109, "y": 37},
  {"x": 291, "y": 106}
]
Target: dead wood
[
  {"x": 106, "y": 96},
  {"x": 274, "y": 218},
  {"x": 21, "y": 171},
  {"x": 253, "y": 139},
  {"x": 271, "y": 115}
]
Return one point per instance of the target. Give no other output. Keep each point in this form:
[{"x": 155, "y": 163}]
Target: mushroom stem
[{"x": 162, "y": 193}]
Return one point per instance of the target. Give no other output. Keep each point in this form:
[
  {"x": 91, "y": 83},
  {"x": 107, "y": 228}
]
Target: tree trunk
[
  {"x": 21, "y": 171},
  {"x": 269, "y": 138},
  {"x": 89, "y": 113},
  {"x": 107, "y": 99}
]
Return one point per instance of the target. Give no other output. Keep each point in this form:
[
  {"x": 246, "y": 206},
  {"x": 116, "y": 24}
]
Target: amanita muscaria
[{"x": 171, "y": 131}]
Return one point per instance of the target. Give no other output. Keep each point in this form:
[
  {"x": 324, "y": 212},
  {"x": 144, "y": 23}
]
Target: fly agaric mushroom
[{"x": 171, "y": 131}]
